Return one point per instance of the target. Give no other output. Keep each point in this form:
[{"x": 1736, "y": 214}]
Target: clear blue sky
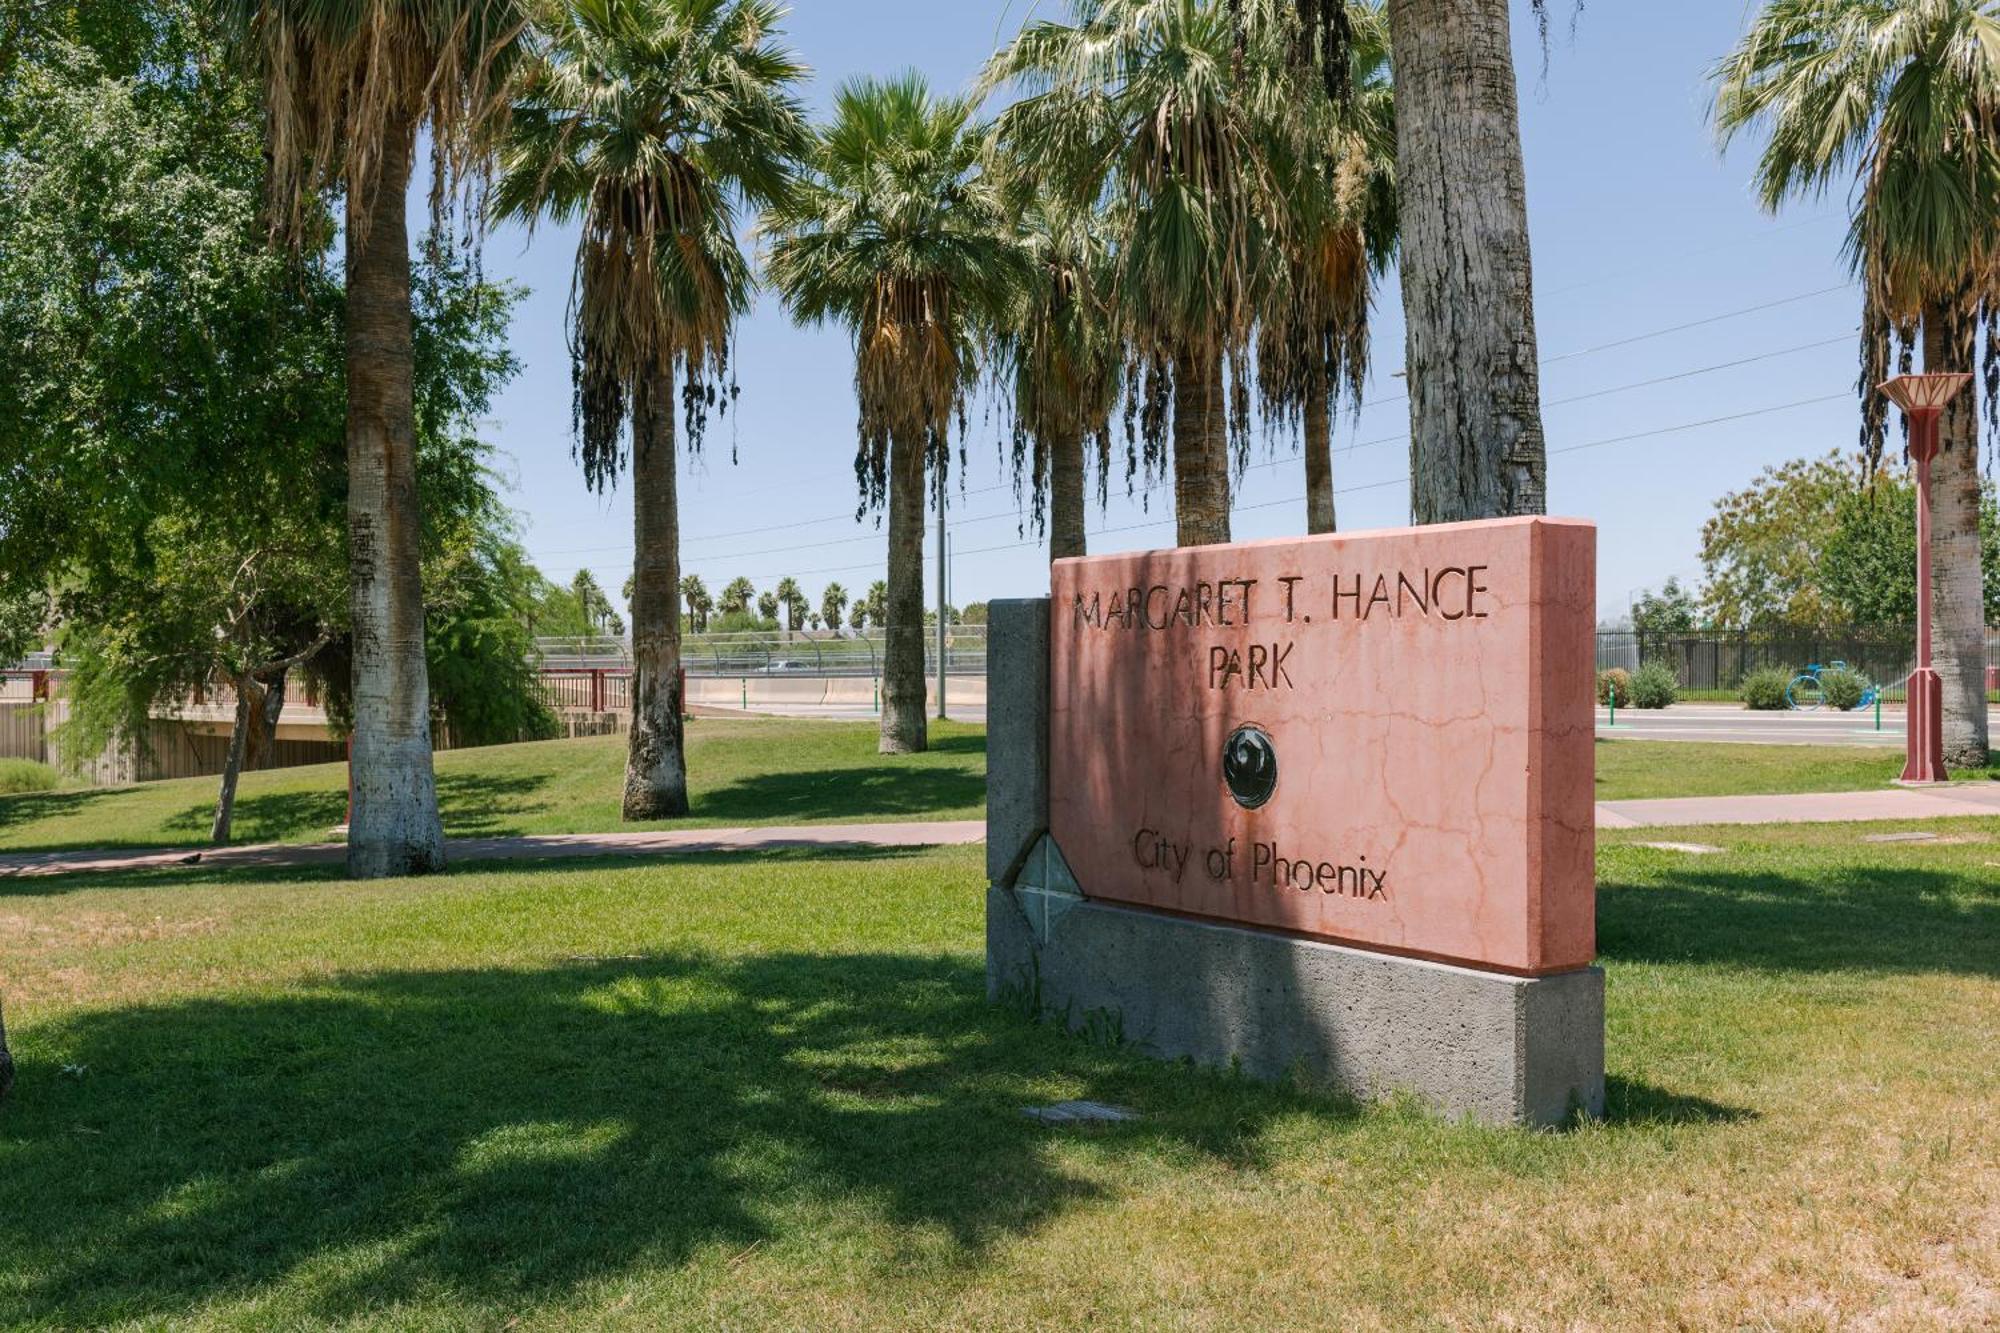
[{"x": 1639, "y": 226}]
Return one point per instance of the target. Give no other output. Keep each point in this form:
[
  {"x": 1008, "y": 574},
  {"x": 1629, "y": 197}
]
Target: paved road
[{"x": 1734, "y": 723}]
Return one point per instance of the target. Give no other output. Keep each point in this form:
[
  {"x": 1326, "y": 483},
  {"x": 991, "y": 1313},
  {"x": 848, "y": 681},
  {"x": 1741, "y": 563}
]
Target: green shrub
[
  {"x": 1765, "y": 688},
  {"x": 24, "y": 775},
  {"x": 1842, "y": 688},
  {"x": 1654, "y": 685},
  {"x": 1616, "y": 681}
]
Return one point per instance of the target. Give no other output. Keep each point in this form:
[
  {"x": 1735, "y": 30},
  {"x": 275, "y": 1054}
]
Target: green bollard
[
  {"x": 1613, "y": 720},
  {"x": 746, "y": 693},
  {"x": 1878, "y": 710}
]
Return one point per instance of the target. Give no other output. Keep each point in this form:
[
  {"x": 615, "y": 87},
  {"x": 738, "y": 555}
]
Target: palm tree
[
  {"x": 794, "y": 603},
  {"x": 767, "y": 608},
  {"x": 1169, "y": 110},
  {"x": 1905, "y": 95},
  {"x": 738, "y": 596},
  {"x": 347, "y": 89},
  {"x": 1060, "y": 357},
  {"x": 656, "y": 122},
  {"x": 896, "y": 234},
  {"x": 695, "y": 593},
  {"x": 1476, "y": 443},
  {"x": 877, "y": 602},
  {"x": 832, "y": 603},
  {"x": 1313, "y": 340}
]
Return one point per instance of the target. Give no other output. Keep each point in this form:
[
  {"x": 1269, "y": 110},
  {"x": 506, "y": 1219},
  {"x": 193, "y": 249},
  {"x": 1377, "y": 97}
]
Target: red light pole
[{"x": 1923, "y": 399}]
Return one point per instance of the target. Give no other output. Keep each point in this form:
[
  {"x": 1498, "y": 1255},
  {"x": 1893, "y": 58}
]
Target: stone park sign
[{"x": 1319, "y": 805}]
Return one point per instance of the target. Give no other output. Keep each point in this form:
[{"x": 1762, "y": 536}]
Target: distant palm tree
[
  {"x": 695, "y": 593},
  {"x": 1903, "y": 98},
  {"x": 896, "y": 234},
  {"x": 738, "y": 596},
  {"x": 1313, "y": 340},
  {"x": 346, "y": 89},
  {"x": 832, "y": 604},
  {"x": 1172, "y": 111},
  {"x": 767, "y": 607},
  {"x": 877, "y": 603},
  {"x": 654, "y": 122},
  {"x": 794, "y": 603},
  {"x": 857, "y": 616}
]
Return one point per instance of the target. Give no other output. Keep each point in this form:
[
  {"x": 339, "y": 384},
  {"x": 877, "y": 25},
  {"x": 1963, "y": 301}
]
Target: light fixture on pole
[{"x": 1923, "y": 399}]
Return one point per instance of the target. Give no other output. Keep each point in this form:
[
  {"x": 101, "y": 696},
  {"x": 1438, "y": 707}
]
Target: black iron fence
[{"x": 1718, "y": 660}]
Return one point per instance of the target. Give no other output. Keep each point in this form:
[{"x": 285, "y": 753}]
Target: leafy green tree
[
  {"x": 1868, "y": 565},
  {"x": 347, "y": 88},
  {"x": 738, "y": 596},
  {"x": 1658, "y": 616},
  {"x": 1760, "y": 550},
  {"x": 1172, "y": 111},
  {"x": 975, "y": 613},
  {"x": 1900, "y": 99},
  {"x": 832, "y": 605},
  {"x": 657, "y": 123},
  {"x": 896, "y": 234}
]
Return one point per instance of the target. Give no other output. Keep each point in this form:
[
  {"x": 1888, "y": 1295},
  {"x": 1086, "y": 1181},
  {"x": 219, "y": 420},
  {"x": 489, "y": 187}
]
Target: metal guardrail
[{"x": 775, "y": 653}]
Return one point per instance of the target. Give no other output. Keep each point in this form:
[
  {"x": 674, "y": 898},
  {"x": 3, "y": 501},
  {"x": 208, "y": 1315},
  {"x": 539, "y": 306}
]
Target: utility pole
[{"x": 943, "y": 495}]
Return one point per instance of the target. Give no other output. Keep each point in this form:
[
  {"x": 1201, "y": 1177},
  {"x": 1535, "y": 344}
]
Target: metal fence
[
  {"x": 1718, "y": 660},
  {"x": 761, "y": 653}
]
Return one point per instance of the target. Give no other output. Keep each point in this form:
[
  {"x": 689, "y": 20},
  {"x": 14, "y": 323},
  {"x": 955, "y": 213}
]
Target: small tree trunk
[
  {"x": 656, "y": 761},
  {"x": 1318, "y": 425},
  {"x": 1958, "y": 586},
  {"x": 1066, "y": 495},
  {"x": 273, "y": 709},
  {"x": 1476, "y": 447},
  {"x": 904, "y": 729},
  {"x": 1201, "y": 449},
  {"x": 232, "y": 767},
  {"x": 395, "y": 829},
  {"x": 6, "y": 1059}
]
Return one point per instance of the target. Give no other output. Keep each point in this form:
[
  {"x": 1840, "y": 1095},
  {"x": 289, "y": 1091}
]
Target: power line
[
  {"x": 1374, "y": 485},
  {"x": 1151, "y": 487}
]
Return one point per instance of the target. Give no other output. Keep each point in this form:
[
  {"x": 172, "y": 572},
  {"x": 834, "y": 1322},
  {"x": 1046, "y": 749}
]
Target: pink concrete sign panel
[{"x": 1380, "y": 738}]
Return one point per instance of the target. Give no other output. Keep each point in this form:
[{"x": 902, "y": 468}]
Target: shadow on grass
[
  {"x": 890, "y": 790},
  {"x": 476, "y": 804},
  {"x": 501, "y": 1135},
  {"x": 1632, "y": 1102},
  {"x": 1873, "y": 918},
  {"x": 273, "y": 817}
]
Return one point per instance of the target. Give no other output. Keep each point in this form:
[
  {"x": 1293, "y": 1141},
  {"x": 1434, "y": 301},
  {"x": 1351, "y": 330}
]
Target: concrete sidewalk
[
  {"x": 543, "y": 847},
  {"x": 1837, "y": 807},
  {"x": 1960, "y": 801}
]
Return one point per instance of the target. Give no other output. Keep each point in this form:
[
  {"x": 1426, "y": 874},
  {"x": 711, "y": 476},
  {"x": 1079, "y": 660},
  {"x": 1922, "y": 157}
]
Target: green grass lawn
[
  {"x": 768, "y": 1092},
  {"x": 1633, "y": 770},
  {"x": 746, "y": 771}
]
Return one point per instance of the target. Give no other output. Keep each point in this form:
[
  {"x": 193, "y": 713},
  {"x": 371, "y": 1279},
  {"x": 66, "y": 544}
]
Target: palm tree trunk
[
  {"x": 1318, "y": 424},
  {"x": 395, "y": 828},
  {"x": 1201, "y": 449},
  {"x": 1476, "y": 447},
  {"x": 1958, "y": 596},
  {"x": 1066, "y": 495},
  {"x": 656, "y": 761},
  {"x": 904, "y": 730},
  {"x": 232, "y": 766}
]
